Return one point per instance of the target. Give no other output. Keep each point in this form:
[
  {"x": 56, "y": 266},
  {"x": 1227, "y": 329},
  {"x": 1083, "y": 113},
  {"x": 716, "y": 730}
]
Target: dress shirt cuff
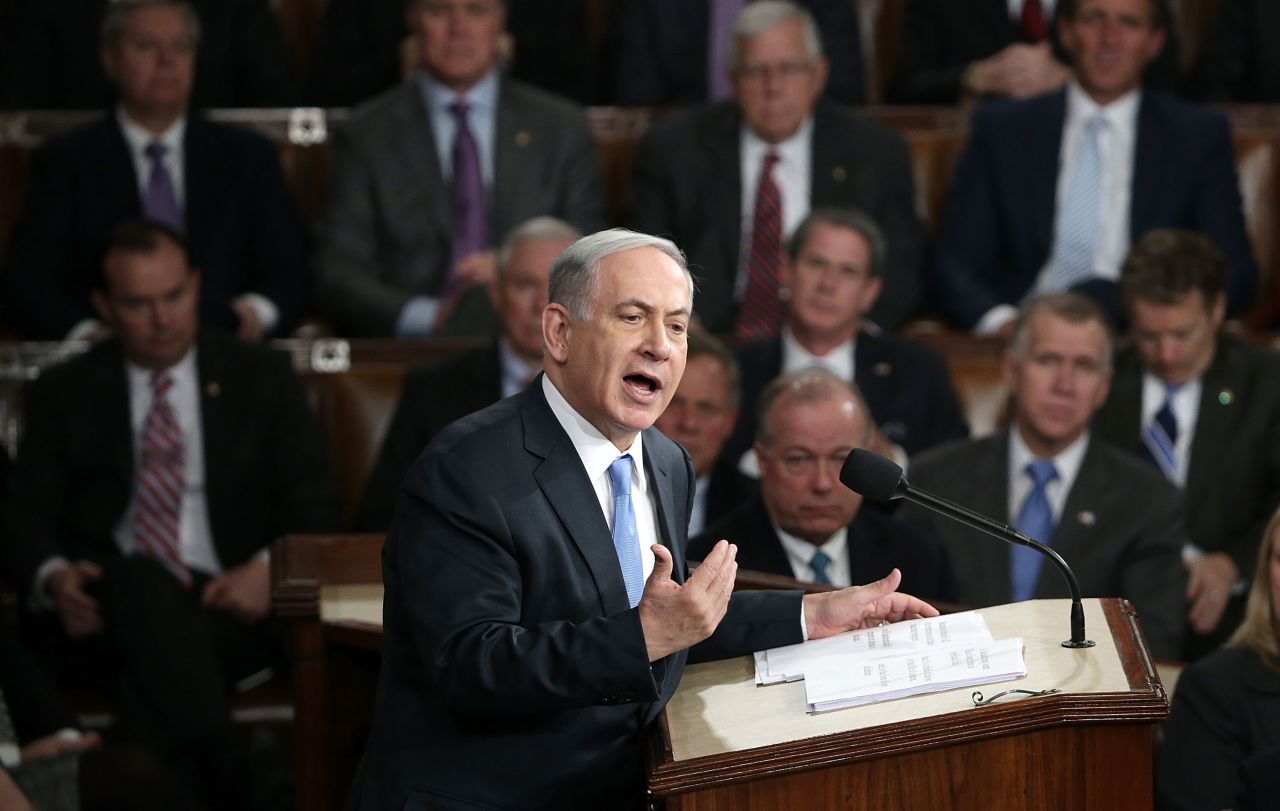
[
  {"x": 82, "y": 330},
  {"x": 10, "y": 756},
  {"x": 1192, "y": 552},
  {"x": 417, "y": 317},
  {"x": 994, "y": 319},
  {"x": 804, "y": 626},
  {"x": 266, "y": 310},
  {"x": 39, "y": 599}
]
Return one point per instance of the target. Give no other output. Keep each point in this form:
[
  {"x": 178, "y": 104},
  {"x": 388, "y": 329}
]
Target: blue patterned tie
[
  {"x": 626, "y": 539},
  {"x": 1035, "y": 520},
  {"x": 1160, "y": 438},
  {"x": 1078, "y": 227},
  {"x": 819, "y": 563}
]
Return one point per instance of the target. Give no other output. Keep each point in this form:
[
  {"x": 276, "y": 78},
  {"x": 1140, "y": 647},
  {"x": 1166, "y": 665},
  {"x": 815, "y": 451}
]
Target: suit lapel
[
  {"x": 418, "y": 155},
  {"x": 1213, "y": 423},
  {"x": 217, "y": 426},
  {"x": 670, "y": 534},
  {"x": 1045, "y": 148},
  {"x": 1075, "y": 531},
  {"x": 570, "y": 494},
  {"x": 723, "y": 151},
  {"x": 832, "y": 179},
  {"x": 1150, "y": 167},
  {"x": 114, "y": 411},
  {"x": 515, "y": 168},
  {"x": 989, "y": 495},
  {"x": 200, "y": 170}
]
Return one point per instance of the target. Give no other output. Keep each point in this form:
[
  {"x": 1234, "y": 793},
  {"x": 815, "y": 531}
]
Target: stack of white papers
[{"x": 893, "y": 661}]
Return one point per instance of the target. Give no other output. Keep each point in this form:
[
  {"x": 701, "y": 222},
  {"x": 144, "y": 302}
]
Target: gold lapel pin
[
  {"x": 523, "y": 138},
  {"x": 882, "y": 369},
  {"x": 838, "y": 174},
  {"x": 212, "y": 388},
  {"x": 1087, "y": 518},
  {"x": 1225, "y": 397}
]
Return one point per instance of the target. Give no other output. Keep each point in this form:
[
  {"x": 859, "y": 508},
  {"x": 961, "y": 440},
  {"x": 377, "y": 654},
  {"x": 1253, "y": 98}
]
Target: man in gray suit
[
  {"x": 429, "y": 174},
  {"x": 1115, "y": 520}
]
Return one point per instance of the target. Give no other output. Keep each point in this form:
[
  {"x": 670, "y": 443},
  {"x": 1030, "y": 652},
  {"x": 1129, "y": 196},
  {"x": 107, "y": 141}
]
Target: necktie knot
[
  {"x": 161, "y": 383},
  {"x": 460, "y": 110},
  {"x": 819, "y": 563},
  {"x": 156, "y": 151},
  {"x": 620, "y": 474},
  {"x": 1042, "y": 471},
  {"x": 770, "y": 160}
]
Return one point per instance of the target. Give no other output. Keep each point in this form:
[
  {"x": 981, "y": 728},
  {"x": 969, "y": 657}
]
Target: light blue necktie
[
  {"x": 626, "y": 539},
  {"x": 1035, "y": 520},
  {"x": 1161, "y": 438},
  {"x": 1077, "y": 238},
  {"x": 819, "y": 563}
]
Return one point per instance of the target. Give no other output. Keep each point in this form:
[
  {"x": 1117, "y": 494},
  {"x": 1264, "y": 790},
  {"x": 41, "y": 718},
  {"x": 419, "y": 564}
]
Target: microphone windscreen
[{"x": 872, "y": 475}]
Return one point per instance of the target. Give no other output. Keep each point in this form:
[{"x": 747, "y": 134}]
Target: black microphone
[{"x": 881, "y": 479}]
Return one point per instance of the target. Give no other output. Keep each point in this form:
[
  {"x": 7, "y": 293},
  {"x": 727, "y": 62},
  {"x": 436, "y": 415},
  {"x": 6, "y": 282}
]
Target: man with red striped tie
[{"x": 155, "y": 469}]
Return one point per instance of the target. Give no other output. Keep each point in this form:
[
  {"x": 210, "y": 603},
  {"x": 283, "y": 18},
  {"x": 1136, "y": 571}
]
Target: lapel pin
[
  {"x": 1087, "y": 518},
  {"x": 523, "y": 138},
  {"x": 838, "y": 174},
  {"x": 1225, "y": 396},
  {"x": 212, "y": 388},
  {"x": 882, "y": 369}
]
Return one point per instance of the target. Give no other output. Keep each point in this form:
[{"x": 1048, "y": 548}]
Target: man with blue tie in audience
[
  {"x": 1204, "y": 408},
  {"x": 1051, "y": 191},
  {"x": 1116, "y": 521},
  {"x": 808, "y": 525},
  {"x": 221, "y": 186},
  {"x": 429, "y": 175},
  {"x": 538, "y": 609},
  {"x": 154, "y": 472}
]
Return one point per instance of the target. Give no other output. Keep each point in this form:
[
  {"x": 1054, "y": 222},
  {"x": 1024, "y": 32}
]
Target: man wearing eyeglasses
[
  {"x": 729, "y": 181},
  {"x": 808, "y": 525}
]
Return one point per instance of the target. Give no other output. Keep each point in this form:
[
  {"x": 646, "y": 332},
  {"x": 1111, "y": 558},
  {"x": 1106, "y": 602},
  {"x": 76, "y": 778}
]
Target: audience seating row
[{"x": 936, "y": 136}]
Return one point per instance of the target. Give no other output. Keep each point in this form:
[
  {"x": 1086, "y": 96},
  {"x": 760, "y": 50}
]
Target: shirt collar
[
  {"x": 1121, "y": 114},
  {"x": 838, "y": 361},
  {"x": 791, "y": 151},
  {"x": 515, "y": 372},
  {"x": 595, "y": 451},
  {"x": 1067, "y": 462},
  {"x": 138, "y": 137},
  {"x": 482, "y": 97},
  {"x": 801, "y": 551},
  {"x": 184, "y": 369}
]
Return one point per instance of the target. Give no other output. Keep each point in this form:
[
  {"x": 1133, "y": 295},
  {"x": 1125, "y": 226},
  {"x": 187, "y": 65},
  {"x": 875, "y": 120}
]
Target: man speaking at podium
[
  {"x": 538, "y": 609},
  {"x": 1115, "y": 520}
]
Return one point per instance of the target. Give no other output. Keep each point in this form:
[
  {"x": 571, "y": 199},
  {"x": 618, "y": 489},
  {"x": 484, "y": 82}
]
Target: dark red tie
[
  {"x": 161, "y": 479},
  {"x": 1032, "y": 27},
  {"x": 760, "y": 314}
]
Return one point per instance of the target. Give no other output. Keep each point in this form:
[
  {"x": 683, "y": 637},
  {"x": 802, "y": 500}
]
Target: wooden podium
[{"x": 725, "y": 743}]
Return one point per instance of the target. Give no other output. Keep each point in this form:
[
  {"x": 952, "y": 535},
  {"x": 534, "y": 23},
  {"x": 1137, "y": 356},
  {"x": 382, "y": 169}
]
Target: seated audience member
[
  {"x": 1204, "y": 408},
  {"x": 154, "y": 471},
  {"x": 49, "y": 55},
  {"x": 671, "y": 52},
  {"x": 1226, "y": 709},
  {"x": 728, "y": 182},
  {"x": 429, "y": 175},
  {"x": 1116, "y": 521},
  {"x": 437, "y": 393},
  {"x": 1239, "y": 61},
  {"x": 367, "y": 46},
  {"x": 152, "y": 157},
  {"x": 808, "y": 525},
  {"x": 1050, "y": 192},
  {"x": 991, "y": 48},
  {"x": 700, "y": 418},
  {"x": 834, "y": 271}
]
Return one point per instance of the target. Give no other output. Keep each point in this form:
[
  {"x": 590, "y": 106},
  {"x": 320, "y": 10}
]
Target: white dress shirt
[
  {"x": 800, "y": 552},
  {"x": 138, "y": 138},
  {"x": 1015, "y": 10},
  {"x": 597, "y": 454},
  {"x": 1020, "y": 483},
  {"x": 839, "y": 361}
]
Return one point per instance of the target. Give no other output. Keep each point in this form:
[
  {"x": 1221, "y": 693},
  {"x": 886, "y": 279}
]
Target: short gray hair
[
  {"x": 851, "y": 219},
  {"x": 118, "y": 11},
  {"x": 1070, "y": 307},
  {"x": 758, "y": 17},
  {"x": 575, "y": 275},
  {"x": 538, "y": 229},
  {"x": 811, "y": 385}
]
